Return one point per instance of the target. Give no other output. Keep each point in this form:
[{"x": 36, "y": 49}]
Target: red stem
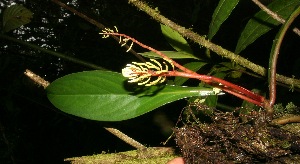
[
  {"x": 154, "y": 50},
  {"x": 228, "y": 87}
]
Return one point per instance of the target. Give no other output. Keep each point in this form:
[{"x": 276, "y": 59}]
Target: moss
[{"x": 145, "y": 156}]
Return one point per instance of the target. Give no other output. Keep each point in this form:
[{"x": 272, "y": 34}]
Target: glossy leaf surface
[
  {"x": 221, "y": 13},
  {"x": 106, "y": 96},
  {"x": 262, "y": 22},
  {"x": 176, "y": 40}
]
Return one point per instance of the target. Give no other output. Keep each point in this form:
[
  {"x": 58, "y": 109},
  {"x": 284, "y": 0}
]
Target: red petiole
[{"x": 226, "y": 86}]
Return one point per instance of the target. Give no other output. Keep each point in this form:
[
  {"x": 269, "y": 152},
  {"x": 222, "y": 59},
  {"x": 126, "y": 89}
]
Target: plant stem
[
  {"x": 214, "y": 81},
  {"x": 226, "y": 86},
  {"x": 273, "y": 15},
  {"x": 286, "y": 120},
  {"x": 126, "y": 138},
  {"x": 36, "y": 78},
  {"x": 215, "y": 48},
  {"x": 59, "y": 55},
  {"x": 274, "y": 56},
  {"x": 153, "y": 50},
  {"x": 97, "y": 24}
]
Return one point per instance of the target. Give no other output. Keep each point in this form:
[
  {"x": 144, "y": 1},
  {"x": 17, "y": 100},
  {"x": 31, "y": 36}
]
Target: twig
[
  {"x": 217, "y": 49},
  {"x": 274, "y": 15},
  {"x": 97, "y": 24},
  {"x": 57, "y": 54},
  {"x": 36, "y": 78},
  {"x": 286, "y": 120},
  {"x": 125, "y": 138}
]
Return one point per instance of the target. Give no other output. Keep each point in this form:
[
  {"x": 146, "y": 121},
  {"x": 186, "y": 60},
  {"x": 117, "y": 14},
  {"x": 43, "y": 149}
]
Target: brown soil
[{"x": 231, "y": 137}]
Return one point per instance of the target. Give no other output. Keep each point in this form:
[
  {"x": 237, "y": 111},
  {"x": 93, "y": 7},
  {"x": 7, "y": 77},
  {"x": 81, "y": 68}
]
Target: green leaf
[
  {"x": 235, "y": 69},
  {"x": 194, "y": 66},
  {"x": 262, "y": 22},
  {"x": 247, "y": 106},
  {"x": 221, "y": 13},
  {"x": 211, "y": 100},
  {"x": 15, "y": 16},
  {"x": 176, "y": 40},
  {"x": 106, "y": 96},
  {"x": 220, "y": 74},
  {"x": 170, "y": 54}
]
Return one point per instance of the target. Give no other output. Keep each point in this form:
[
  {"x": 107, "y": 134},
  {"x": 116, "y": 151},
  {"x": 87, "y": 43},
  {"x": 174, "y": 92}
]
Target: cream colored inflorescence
[
  {"x": 107, "y": 31},
  {"x": 142, "y": 72},
  {"x": 123, "y": 41}
]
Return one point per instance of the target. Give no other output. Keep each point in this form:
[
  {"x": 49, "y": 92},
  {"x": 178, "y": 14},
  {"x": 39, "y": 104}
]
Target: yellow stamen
[{"x": 142, "y": 72}]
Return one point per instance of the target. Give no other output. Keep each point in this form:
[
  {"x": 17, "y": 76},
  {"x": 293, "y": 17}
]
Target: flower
[
  {"x": 135, "y": 73},
  {"x": 142, "y": 72}
]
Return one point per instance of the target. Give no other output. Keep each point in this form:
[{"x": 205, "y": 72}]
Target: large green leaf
[
  {"x": 262, "y": 22},
  {"x": 221, "y": 13},
  {"x": 15, "y": 16},
  {"x": 170, "y": 54},
  {"x": 176, "y": 40},
  {"x": 106, "y": 96}
]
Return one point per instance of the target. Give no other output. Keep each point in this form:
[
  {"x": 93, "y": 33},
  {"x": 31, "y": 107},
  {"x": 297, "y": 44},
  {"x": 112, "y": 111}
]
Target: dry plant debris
[{"x": 232, "y": 137}]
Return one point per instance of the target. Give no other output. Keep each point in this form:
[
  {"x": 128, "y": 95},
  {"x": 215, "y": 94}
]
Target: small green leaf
[
  {"x": 176, "y": 40},
  {"x": 221, "y": 13},
  {"x": 235, "y": 69},
  {"x": 235, "y": 74},
  {"x": 211, "y": 100},
  {"x": 15, "y": 16},
  {"x": 247, "y": 106},
  {"x": 220, "y": 74},
  {"x": 194, "y": 66},
  {"x": 262, "y": 22},
  {"x": 170, "y": 54},
  {"x": 106, "y": 96}
]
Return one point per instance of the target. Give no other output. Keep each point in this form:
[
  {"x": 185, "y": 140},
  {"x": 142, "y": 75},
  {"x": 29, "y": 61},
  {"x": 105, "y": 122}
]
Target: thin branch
[
  {"x": 126, "y": 138},
  {"x": 269, "y": 12},
  {"x": 36, "y": 78},
  {"x": 274, "y": 15},
  {"x": 97, "y": 24},
  {"x": 286, "y": 120},
  {"x": 60, "y": 55},
  {"x": 215, "y": 48}
]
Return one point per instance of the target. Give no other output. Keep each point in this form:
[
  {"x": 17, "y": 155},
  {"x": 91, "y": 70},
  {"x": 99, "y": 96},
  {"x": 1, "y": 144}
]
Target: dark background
[{"x": 33, "y": 131}]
